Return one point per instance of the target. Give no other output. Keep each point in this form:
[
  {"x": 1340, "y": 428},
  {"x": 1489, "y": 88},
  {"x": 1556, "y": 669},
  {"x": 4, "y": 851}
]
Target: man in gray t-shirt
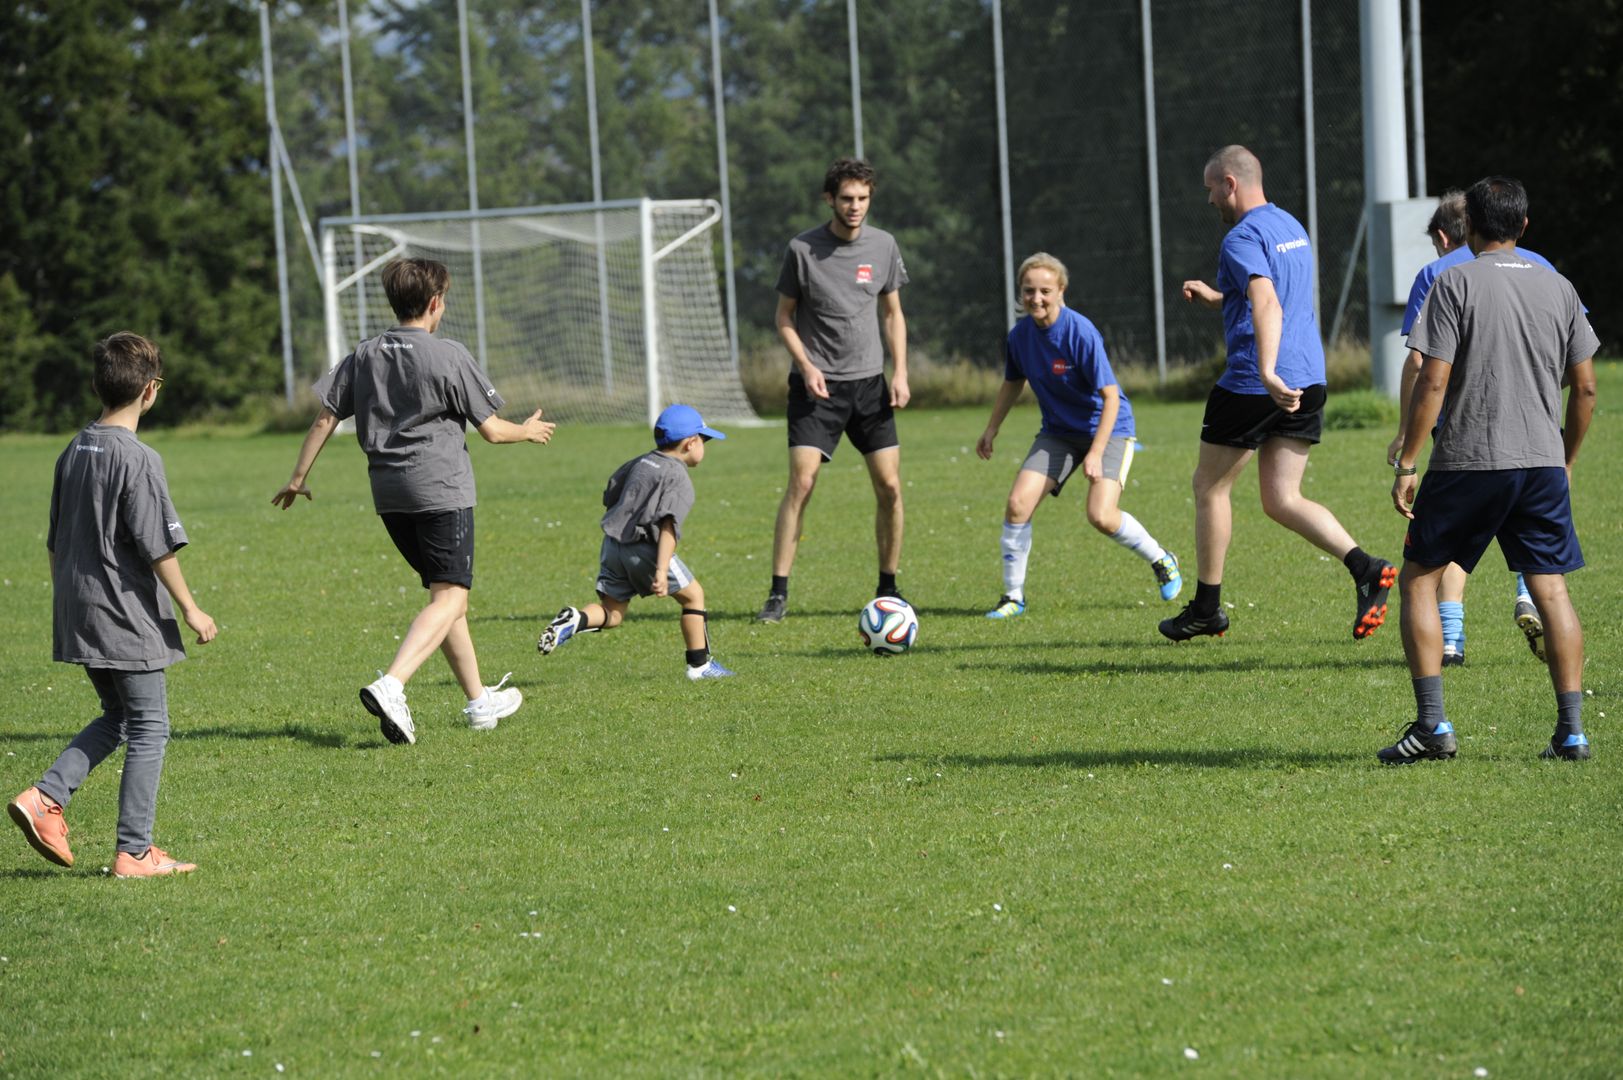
[
  {"x": 412, "y": 396},
  {"x": 838, "y": 291},
  {"x": 1500, "y": 336}
]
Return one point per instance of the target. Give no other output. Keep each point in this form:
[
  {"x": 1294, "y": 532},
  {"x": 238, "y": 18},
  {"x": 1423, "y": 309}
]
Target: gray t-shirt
[
  {"x": 111, "y": 519},
  {"x": 642, "y": 493},
  {"x": 836, "y": 285},
  {"x": 412, "y": 396},
  {"x": 1511, "y": 329}
]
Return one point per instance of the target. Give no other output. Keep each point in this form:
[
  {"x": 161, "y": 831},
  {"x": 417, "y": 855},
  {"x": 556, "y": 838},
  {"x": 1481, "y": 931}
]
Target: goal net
[{"x": 597, "y": 313}]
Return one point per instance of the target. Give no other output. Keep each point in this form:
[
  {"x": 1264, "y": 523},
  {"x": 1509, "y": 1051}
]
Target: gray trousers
[{"x": 134, "y": 709}]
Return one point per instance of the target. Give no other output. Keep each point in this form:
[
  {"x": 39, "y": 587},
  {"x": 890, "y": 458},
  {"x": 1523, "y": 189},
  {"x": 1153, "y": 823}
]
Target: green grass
[{"x": 1057, "y": 845}]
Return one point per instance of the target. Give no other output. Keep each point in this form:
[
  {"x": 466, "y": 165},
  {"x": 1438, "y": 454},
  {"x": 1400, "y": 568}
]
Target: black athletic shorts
[
  {"x": 438, "y": 545},
  {"x": 1246, "y": 420},
  {"x": 858, "y": 408}
]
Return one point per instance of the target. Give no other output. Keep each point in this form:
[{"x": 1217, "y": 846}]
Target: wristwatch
[{"x": 1399, "y": 470}]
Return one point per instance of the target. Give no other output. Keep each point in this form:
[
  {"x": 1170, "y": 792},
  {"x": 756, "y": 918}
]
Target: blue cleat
[
  {"x": 1572, "y": 748},
  {"x": 1007, "y": 608},
  {"x": 1418, "y": 744},
  {"x": 559, "y": 630},
  {"x": 710, "y": 670},
  {"x": 1166, "y": 573}
]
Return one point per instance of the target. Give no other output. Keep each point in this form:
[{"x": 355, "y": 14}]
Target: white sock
[
  {"x": 1016, "y": 552},
  {"x": 1135, "y": 538},
  {"x": 477, "y": 700}
]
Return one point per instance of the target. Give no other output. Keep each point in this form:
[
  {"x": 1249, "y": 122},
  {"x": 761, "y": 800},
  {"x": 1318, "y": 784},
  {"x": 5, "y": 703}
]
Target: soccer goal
[{"x": 596, "y": 312}]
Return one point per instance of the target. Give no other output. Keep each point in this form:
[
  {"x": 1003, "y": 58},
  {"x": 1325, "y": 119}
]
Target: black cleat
[
  {"x": 1453, "y": 656},
  {"x": 775, "y": 608},
  {"x": 1370, "y": 598},
  {"x": 1531, "y": 626},
  {"x": 1188, "y": 624},
  {"x": 1418, "y": 744},
  {"x": 1571, "y": 748}
]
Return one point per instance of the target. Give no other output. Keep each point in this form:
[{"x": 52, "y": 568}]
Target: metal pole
[
  {"x": 473, "y": 184},
  {"x": 354, "y": 163},
  {"x": 603, "y": 334},
  {"x": 1417, "y": 101},
  {"x": 1003, "y": 162},
  {"x": 650, "y": 305},
  {"x": 1154, "y": 166},
  {"x": 856, "y": 74},
  {"x": 273, "y": 159},
  {"x": 1386, "y": 174},
  {"x": 1311, "y": 153},
  {"x": 719, "y": 92}
]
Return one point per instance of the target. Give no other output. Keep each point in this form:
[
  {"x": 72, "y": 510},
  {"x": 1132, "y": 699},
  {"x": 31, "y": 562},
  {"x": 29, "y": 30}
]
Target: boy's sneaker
[
  {"x": 558, "y": 631},
  {"x": 1418, "y": 744},
  {"x": 389, "y": 706},
  {"x": 1166, "y": 574},
  {"x": 1531, "y": 626},
  {"x": 775, "y": 608},
  {"x": 1571, "y": 748},
  {"x": 1453, "y": 655},
  {"x": 154, "y": 862},
  {"x": 497, "y": 704},
  {"x": 1188, "y": 624},
  {"x": 1369, "y": 600},
  {"x": 1007, "y": 608},
  {"x": 42, "y": 824},
  {"x": 710, "y": 670}
]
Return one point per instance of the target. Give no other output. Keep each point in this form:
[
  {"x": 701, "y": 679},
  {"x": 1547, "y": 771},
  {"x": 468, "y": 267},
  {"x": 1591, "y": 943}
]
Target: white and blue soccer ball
[{"x": 888, "y": 625}]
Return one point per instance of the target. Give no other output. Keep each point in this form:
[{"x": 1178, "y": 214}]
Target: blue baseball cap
[{"x": 679, "y": 422}]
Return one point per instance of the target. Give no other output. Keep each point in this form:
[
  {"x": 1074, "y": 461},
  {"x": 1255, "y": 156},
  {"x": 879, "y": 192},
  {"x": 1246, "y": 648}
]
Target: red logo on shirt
[
  {"x": 865, "y": 274},
  {"x": 1058, "y": 365}
]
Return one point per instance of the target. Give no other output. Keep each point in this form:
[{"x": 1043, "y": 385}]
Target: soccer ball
[{"x": 888, "y": 625}]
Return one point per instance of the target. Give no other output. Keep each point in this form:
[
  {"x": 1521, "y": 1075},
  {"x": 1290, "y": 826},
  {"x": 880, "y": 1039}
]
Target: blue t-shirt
[
  {"x": 1268, "y": 242},
  {"x": 1428, "y": 274},
  {"x": 1065, "y": 365}
]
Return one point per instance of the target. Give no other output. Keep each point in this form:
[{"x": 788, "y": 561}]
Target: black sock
[
  {"x": 698, "y": 657},
  {"x": 1569, "y": 709},
  {"x": 1357, "y": 563},
  {"x": 887, "y": 584},
  {"x": 584, "y": 621},
  {"x": 1206, "y": 597},
  {"x": 780, "y": 586},
  {"x": 1428, "y": 699}
]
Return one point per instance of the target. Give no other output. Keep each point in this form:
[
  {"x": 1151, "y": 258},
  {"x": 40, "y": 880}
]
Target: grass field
[{"x": 1057, "y": 845}]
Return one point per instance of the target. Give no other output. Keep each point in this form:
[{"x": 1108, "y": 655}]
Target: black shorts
[
  {"x": 1247, "y": 420},
  {"x": 438, "y": 545},
  {"x": 859, "y": 408}
]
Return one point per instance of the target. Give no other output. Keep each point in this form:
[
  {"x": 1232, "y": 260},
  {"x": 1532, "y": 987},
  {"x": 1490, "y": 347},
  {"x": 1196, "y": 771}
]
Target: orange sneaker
[
  {"x": 40, "y": 819},
  {"x": 154, "y": 863}
]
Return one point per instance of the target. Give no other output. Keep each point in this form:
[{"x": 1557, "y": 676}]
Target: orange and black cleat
[{"x": 1370, "y": 598}]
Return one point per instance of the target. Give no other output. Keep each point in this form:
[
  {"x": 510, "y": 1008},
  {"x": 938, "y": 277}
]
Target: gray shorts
[
  {"x": 627, "y": 570},
  {"x": 1057, "y": 457}
]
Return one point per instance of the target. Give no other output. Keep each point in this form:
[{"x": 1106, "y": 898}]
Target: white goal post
[{"x": 600, "y": 312}]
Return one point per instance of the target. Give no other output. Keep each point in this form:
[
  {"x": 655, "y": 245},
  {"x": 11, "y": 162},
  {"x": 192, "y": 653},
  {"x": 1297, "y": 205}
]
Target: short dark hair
[
  {"x": 1497, "y": 208},
  {"x": 125, "y": 363},
  {"x": 848, "y": 169},
  {"x": 1449, "y": 217},
  {"x": 411, "y": 283}
]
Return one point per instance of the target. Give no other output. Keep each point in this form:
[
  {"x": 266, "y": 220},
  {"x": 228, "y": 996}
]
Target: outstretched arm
[
  {"x": 168, "y": 571},
  {"x": 496, "y": 430},
  {"x": 1198, "y": 292},
  {"x": 320, "y": 431},
  {"x": 1007, "y": 395}
]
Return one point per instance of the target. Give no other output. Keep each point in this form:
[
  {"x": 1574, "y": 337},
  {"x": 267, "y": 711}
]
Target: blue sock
[
  {"x": 1453, "y": 615},
  {"x": 1521, "y": 589},
  {"x": 1428, "y": 698}
]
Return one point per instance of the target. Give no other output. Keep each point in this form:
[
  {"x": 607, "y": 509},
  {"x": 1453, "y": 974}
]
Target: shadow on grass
[
  {"x": 1138, "y": 664},
  {"x": 1193, "y": 757},
  {"x": 331, "y": 740},
  {"x": 34, "y": 872}
]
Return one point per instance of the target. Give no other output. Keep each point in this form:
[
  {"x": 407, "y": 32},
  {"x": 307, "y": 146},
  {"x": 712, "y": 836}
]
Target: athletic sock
[
  {"x": 1137, "y": 539},
  {"x": 1016, "y": 553},
  {"x": 1569, "y": 709},
  {"x": 1453, "y": 616},
  {"x": 1207, "y": 597},
  {"x": 698, "y": 657},
  {"x": 780, "y": 586},
  {"x": 887, "y": 584},
  {"x": 1428, "y": 699},
  {"x": 394, "y": 684},
  {"x": 1357, "y": 563},
  {"x": 1521, "y": 589},
  {"x": 583, "y": 621}
]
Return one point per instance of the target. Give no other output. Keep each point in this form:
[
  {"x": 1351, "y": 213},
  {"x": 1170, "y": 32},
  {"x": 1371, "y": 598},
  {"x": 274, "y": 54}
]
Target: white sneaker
[
  {"x": 389, "y": 706},
  {"x": 495, "y": 705}
]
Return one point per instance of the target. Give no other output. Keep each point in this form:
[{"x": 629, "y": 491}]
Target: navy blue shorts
[{"x": 1458, "y": 514}]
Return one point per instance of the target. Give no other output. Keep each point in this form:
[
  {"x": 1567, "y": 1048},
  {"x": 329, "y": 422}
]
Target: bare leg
[
  {"x": 1215, "y": 473},
  {"x": 447, "y": 604},
  {"x": 1563, "y": 637},
  {"x": 884, "y": 469},
  {"x": 694, "y": 634},
  {"x": 606, "y": 614},
  {"x": 804, "y": 461},
  {"x": 1422, "y": 626},
  {"x": 1279, "y": 472},
  {"x": 1452, "y": 589},
  {"x": 458, "y": 650},
  {"x": 1104, "y": 506},
  {"x": 1025, "y": 495}
]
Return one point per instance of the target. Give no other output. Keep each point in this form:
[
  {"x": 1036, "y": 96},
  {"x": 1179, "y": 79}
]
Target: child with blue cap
[{"x": 648, "y": 498}]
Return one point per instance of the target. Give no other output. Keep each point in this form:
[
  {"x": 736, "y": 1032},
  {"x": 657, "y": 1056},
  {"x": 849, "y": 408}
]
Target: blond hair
[{"x": 1044, "y": 261}]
